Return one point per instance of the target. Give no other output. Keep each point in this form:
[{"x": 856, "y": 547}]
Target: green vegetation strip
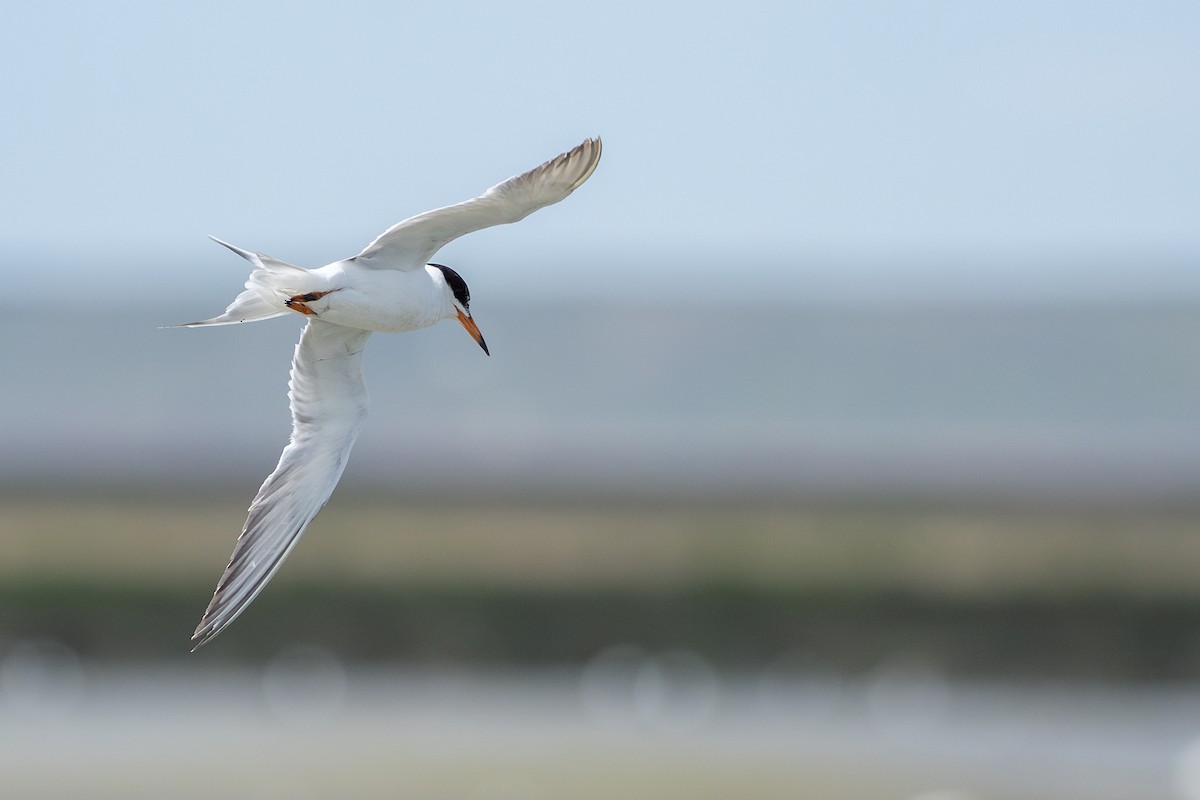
[
  {"x": 1107, "y": 594},
  {"x": 1100, "y": 637}
]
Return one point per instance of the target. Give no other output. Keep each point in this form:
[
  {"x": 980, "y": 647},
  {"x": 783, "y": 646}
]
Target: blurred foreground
[
  {"x": 627, "y": 725},
  {"x": 572, "y": 650}
]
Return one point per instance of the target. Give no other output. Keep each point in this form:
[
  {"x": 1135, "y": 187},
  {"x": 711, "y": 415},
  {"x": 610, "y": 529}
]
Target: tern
[{"x": 390, "y": 286}]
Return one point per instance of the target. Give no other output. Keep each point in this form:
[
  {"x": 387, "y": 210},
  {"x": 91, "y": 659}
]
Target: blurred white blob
[
  {"x": 40, "y": 677},
  {"x": 607, "y": 682},
  {"x": 500, "y": 790},
  {"x": 1187, "y": 771},
  {"x": 624, "y": 687},
  {"x": 945, "y": 794},
  {"x": 907, "y": 691},
  {"x": 795, "y": 685},
  {"x": 304, "y": 684}
]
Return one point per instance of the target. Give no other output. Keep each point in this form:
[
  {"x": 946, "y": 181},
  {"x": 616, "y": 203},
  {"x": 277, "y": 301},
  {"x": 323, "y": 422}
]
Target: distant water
[{"x": 1037, "y": 402}]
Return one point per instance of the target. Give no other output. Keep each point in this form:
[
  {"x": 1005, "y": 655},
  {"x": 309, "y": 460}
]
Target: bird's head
[{"x": 460, "y": 302}]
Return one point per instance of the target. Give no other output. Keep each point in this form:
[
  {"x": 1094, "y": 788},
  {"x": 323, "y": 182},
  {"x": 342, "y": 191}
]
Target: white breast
[{"x": 381, "y": 299}]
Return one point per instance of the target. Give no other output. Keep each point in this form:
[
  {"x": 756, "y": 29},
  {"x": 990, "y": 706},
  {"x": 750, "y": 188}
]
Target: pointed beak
[{"x": 472, "y": 329}]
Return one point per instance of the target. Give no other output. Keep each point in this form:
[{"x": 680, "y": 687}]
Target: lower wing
[{"x": 329, "y": 402}]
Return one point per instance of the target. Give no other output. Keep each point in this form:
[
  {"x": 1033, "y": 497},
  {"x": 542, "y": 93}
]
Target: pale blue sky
[{"x": 909, "y": 146}]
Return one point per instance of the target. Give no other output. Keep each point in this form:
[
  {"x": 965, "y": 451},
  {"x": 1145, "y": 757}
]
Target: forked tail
[{"x": 267, "y": 290}]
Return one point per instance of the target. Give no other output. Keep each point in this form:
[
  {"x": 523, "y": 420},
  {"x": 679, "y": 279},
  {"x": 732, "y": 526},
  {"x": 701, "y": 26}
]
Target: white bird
[{"x": 389, "y": 286}]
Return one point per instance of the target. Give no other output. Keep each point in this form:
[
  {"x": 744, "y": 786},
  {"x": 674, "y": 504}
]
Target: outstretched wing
[
  {"x": 409, "y": 245},
  {"x": 329, "y": 402}
]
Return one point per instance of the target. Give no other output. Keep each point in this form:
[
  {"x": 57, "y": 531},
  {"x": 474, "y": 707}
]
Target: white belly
[{"x": 378, "y": 299}]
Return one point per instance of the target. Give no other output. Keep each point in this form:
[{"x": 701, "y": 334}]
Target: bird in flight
[{"x": 389, "y": 286}]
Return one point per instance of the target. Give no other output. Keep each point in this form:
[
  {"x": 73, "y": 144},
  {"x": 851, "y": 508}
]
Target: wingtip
[
  {"x": 211, "y": 624},
  {"x": 598, "y": 144},
  {"x": 593, "y": 144},
  {"x": 205, "y": 632}
]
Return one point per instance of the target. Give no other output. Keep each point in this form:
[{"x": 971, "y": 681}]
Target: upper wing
[
  {"x": 409, "y": 245},
  {"x": 329, "y": 402}
]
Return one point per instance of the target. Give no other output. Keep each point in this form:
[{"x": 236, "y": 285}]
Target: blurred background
[{"x": 841, "y": 436}]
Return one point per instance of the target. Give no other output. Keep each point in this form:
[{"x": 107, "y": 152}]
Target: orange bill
[{"x": 472, "y": 329}]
